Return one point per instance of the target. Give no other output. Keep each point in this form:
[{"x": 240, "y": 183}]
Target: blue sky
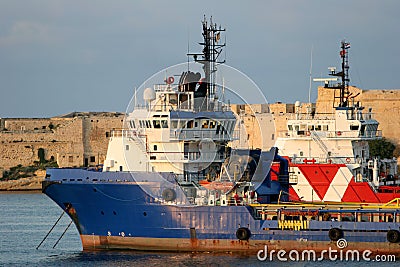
[{"x": 62, "y": 56}]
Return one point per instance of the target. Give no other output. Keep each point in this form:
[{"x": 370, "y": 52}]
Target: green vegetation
[
  {"x": 382, "y": 148},
  {"x": 20, "y": 171}
]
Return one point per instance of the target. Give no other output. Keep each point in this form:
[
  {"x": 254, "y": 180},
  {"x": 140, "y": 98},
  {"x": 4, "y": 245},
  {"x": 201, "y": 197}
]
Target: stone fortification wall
[
  {"x": 96, "y": 132},
  {"x": 73, "y": 140},
  {"x": 62, "y": 143},
  {"x": 258, "y": 123}
]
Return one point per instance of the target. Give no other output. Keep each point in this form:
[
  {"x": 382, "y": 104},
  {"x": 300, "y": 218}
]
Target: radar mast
[
  {"x": 210, "y": 56},
  {"x": 343, "y": 86}
]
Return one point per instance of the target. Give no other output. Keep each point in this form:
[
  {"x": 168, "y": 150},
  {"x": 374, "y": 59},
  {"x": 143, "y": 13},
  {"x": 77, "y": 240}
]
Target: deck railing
[{"x": 186, "y": 134}]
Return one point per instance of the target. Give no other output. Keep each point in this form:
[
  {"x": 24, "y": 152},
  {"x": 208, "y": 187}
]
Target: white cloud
[{"x": 27, "y": 32}]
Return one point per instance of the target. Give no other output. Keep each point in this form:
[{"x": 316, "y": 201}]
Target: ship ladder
[
  {"x": 316, "y": 138},
  {"x": 140, "y": 144}
]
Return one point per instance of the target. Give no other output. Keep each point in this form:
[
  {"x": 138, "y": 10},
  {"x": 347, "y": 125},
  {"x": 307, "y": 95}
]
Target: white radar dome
[{"x": 149, "y": 94}]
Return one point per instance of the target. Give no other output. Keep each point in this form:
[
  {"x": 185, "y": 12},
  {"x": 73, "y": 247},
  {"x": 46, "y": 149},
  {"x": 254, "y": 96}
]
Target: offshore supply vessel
[
  {"x": 329, "y": 153},
  {"x": 171, "y": 182}
]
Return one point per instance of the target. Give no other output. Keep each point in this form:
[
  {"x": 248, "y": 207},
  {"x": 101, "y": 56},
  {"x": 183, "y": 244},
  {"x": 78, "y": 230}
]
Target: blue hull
[{"x": 119, "y": 214}]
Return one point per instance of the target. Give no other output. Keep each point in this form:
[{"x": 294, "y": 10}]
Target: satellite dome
[{"x": 149, "y": 94}]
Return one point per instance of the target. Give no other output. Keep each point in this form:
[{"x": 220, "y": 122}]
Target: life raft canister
[{"x": 169, "y": 194}]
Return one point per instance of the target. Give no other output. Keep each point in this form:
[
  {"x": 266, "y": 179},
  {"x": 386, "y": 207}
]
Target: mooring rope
[
  {"x": 50, "y": 230},
  {"x": 63, "y": 234}
]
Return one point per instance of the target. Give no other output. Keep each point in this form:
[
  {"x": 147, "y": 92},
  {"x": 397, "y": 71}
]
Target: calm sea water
[{"x": 25, "y": 218}]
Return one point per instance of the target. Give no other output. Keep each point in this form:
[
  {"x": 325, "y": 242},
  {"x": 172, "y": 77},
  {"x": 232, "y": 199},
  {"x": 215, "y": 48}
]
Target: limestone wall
[
  {"x": 96, "y": 132},
  {"x": 22, "y": 146},
  {"x": 72, "y": 141}
]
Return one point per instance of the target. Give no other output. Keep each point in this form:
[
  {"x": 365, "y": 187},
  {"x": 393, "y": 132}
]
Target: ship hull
[
  {"x": 249, "y": 247},
  {"x": 120, "y": 215}
]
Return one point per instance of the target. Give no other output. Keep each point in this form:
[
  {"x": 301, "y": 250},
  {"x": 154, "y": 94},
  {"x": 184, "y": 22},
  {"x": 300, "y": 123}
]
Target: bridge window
[
  {"x": 354, "y": 127},
  {"x": 212, "y": 124},
  {"x": 204, "y": 124},
  {"x": 190, "y": 124},
  {"x": 148, "y": 124},
  {"x": 156, "y": 124}
]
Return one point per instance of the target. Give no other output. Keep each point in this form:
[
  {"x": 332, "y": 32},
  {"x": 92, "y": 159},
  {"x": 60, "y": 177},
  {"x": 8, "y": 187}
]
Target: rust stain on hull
[{"x": 250, "y": 247}]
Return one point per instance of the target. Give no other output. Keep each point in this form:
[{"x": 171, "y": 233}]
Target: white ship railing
[
  {"x": 184, "y": 156},
  {"x": 126, "y": 133},
  {"x": 376, "y": 134},
  {"x": 308, "y": 116},
  {"x": 324, "y": 160},
  {"x": 184, "y": 134},
  {"x": 351, "y": 115}
]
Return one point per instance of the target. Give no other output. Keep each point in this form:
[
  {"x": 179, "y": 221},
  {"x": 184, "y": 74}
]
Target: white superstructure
[{"x": 338, "y": 138}]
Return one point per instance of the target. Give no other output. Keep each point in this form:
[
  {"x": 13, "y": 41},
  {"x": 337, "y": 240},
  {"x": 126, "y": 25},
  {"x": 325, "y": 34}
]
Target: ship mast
[
  {"x": 343, "y": 86},
  {"x": 210, "y": 55}
]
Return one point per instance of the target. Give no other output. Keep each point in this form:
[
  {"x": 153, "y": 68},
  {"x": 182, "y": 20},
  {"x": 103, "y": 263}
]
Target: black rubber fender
[
  {"x": 243, "y": 233},
  {"x": 335, "y": 234},
  {"x": 393, "y": 236}
]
